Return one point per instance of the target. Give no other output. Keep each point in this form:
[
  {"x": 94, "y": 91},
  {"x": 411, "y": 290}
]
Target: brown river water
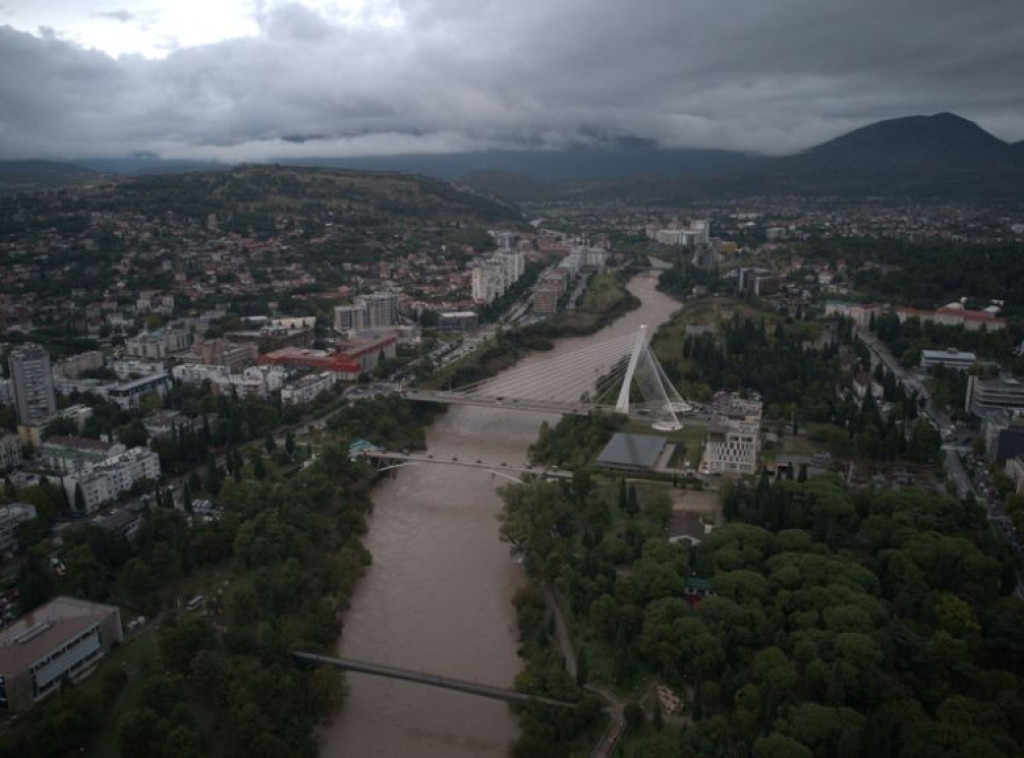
[{"x": 438, "y": 595}]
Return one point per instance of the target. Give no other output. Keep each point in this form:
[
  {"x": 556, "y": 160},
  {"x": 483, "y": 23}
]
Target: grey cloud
[
  {"x": 768, "y": 76},
  {"x": 119, "y": 15}
]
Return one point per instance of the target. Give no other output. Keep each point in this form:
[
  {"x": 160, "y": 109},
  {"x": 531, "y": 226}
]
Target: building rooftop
[
  {"x": 36, "y": 633},
  {"x": 631, "y": 451},
  {"x": 80, "y": 443}
]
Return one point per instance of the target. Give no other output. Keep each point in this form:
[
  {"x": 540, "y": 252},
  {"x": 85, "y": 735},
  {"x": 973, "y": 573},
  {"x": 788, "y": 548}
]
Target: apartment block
[
  {"x": 12, "y": 516},
  {"x": 987, "y": 395},
  {"x": 104, "y": 481},
  {"x": 306, "y": 389},
  {"x": 32, "y": 383}
]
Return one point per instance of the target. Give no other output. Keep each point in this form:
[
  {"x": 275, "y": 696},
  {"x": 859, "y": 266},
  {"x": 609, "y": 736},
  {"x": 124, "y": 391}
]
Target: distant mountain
[
  {"x": 26, "y": 176},
  {"x": 629, "y": 158},
  {"x": 943, "y": 140},
  {"x": 943, "y": 155}
]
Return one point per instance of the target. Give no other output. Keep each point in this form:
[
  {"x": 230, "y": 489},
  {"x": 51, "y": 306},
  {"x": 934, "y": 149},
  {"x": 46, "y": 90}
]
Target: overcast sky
[{"x": 248, "y": 80}]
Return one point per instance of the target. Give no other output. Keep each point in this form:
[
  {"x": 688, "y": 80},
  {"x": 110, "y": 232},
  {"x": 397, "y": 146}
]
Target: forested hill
[
  {"x": 256, "y": 189},
  {"x": 26, "y": 176}
]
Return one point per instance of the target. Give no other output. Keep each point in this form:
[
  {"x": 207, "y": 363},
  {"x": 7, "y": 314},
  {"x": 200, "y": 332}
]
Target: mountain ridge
[{"x": 938, "y": 155}]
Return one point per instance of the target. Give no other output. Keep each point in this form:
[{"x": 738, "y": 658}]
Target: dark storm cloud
[{"x": 771, "y": 76}]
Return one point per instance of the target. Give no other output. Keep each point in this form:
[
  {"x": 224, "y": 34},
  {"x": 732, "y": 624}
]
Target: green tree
[{"x": 634, "y": 716}]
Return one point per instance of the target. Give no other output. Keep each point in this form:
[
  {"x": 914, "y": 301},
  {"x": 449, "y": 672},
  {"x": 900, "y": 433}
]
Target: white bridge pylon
[{"x": 621, "y": 374}]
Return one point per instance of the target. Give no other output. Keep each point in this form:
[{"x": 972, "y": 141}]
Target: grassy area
[
  {"x": 691, "y": 436},
  {"x": 135, "y": 657},
  {"x": 605, "y": 299}
]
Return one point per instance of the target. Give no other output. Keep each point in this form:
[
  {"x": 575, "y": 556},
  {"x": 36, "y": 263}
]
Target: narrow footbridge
[
  {"x": 387, "y": 460},
  {"x": 431, "y": 680}
]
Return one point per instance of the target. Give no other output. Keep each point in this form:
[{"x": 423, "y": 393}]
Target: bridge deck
[
  {"x": 539, "y": 471},
  {"x": 432, "y": 680}
]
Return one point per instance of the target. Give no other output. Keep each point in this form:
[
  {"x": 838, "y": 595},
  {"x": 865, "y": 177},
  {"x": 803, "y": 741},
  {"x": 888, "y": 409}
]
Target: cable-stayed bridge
[{"x": 621, "y": 375}]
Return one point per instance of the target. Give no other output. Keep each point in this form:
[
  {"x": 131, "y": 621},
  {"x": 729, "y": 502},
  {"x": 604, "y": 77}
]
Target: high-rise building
[
  {"x": 32, "y": 381},
  {"x": 381, "y": 309},
  {"x": 349, "y": 318}
]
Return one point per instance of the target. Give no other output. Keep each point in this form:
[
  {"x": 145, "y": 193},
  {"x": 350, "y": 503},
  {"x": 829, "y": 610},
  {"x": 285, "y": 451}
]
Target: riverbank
[{"x": 606, "y": 299}]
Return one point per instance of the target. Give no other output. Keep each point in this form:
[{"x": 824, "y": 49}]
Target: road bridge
[
  {"x": 431, "y": 680},
  {"x": 621, "y": 375}
]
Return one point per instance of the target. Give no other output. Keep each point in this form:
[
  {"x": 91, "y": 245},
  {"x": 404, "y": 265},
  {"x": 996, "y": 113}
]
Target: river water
[{"x": 438, "y": 595}]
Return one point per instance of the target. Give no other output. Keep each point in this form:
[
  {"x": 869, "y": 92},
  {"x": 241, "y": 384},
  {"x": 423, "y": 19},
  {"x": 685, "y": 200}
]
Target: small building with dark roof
[{"x": 631, "y": 452}]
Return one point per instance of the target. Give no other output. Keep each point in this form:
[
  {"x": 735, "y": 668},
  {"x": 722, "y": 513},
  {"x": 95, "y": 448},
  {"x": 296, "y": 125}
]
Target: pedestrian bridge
[
  {"x": 387, "y": 461},
  {"x": 431, "y": 680}
]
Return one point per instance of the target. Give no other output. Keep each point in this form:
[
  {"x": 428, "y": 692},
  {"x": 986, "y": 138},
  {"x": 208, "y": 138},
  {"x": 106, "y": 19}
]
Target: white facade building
[
  {"x": 104, "y": 481},
  {"x": 306, "y": 389},
  {"x": 731, "y": 447},
  {"x": 254, "y": 381},
  {"x": 494, "y": 274},
  {"x": 349, "y": 318},
  {"x": 950, "y": 358},
  {"x": 128, "y": 395},
  {"x": 733, "y": 442},
  {"x": 126, "y": 367},
  {"x": 11, "y": 517},
  {"x": 10, "y": 451},
  {"x": 32, "y": 382},
  {"x": 157, "y": 345}
]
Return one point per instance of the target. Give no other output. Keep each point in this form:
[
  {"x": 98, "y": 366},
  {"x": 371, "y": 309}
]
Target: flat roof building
[
  {"x": 987, "y": 395},
  {"x": 950, "y": 358},
  {"x": 64, "y": 638},
  {"x": 12, "y": 516}
]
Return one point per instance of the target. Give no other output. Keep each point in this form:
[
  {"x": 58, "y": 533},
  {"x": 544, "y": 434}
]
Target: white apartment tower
[{"x": 32, "y": 382}]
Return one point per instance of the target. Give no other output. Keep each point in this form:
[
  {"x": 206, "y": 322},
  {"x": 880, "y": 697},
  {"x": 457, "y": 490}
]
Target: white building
[
  {"x": 32, "y": 382},
  {"x": 733, "y": 441},
  {"x": 349, "y": 318},
  {"x": 72, "y": 366},
  {"x": 306, "y": 389},
  {"x": 104, "y": 481},
  {"x": 731, "y": 447},
  {"x": 378, "y": 310},
  {"x": 254, "y": 381},
  {"x": 157, "y": 345},
  {"x": 694, "y": 235},
  {"x": 68, "y": 455},
  {"x": 381, "y": 309},
  {"x": 125, "y": 368},
  {"x": 987, "y": 395},
  {"x": 128, "y": 395},
  {"x": 950, "y": 358},
  {"x": 10, "y": 451},
  {"x": 11, "y": 517}
]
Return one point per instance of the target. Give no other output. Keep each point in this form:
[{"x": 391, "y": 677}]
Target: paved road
[{"x": 952, "y": 461}]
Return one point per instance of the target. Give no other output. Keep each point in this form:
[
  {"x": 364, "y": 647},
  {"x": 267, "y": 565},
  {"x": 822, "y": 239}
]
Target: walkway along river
[{"x": 438, "y": 595}]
